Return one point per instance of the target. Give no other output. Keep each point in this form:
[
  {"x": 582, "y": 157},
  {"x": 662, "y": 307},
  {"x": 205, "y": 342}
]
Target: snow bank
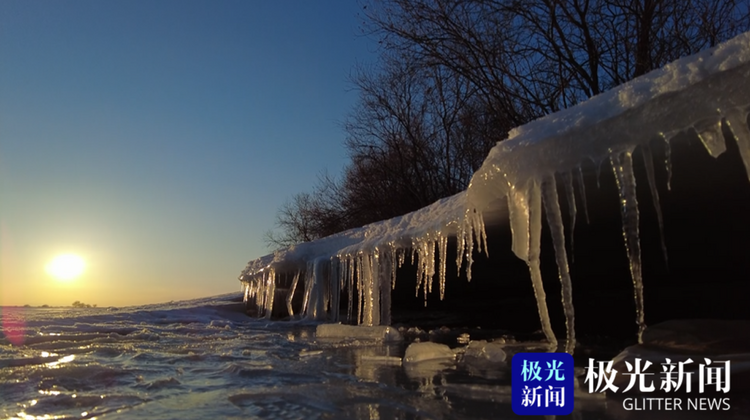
[{"x": 702, "y": 92}]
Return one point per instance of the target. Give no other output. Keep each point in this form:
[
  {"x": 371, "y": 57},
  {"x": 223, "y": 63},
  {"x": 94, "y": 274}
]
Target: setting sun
[{"x": 66, "y": 267}]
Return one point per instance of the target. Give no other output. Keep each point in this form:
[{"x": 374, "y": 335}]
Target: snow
[{"x": 701, "y": 93}]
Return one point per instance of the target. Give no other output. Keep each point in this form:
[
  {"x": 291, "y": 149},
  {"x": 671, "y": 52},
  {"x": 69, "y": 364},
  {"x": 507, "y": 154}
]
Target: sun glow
[{"x": 66, "y": 267}]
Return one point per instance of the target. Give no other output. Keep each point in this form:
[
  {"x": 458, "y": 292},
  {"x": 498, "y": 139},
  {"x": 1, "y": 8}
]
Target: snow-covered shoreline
[{"x": 703, "y": 92}]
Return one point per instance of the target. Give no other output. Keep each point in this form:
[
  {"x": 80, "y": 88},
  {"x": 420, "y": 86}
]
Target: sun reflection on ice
[{"x": 56, "y": 364}]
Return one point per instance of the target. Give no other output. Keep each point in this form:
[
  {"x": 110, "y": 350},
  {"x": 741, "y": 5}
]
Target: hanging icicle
[
  {"x": 567, "y": 180},
  {"x": 737, "y": 122},
  {"x": 648, "y": 161},
  {"x": 525, "y": 208},
  {"x": 555, "y": 222},
  {"x": 668, "y": 162},
  {"x": 622, "y": 164}
]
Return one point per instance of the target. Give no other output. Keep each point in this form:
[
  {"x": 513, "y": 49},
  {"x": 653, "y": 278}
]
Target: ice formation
[
  {"x": 351, "y": 332},
  {"x": 703, "y": 93},
  {"x": 423, "y": 352}
]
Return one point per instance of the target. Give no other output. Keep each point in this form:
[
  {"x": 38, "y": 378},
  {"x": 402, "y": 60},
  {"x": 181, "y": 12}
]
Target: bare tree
[
  {"x": 531, "y": 57},
  {"x": 412, "y": 138},
  {"x": 309, "y": 216},
  {"x": 456, "y": 75}
]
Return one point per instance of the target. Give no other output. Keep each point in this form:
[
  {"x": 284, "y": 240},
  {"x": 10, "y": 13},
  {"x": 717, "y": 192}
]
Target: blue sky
[{"x": 157, "y": 139}]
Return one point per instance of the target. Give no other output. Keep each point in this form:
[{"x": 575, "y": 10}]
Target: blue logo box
[{"x": 542, "y": 383}]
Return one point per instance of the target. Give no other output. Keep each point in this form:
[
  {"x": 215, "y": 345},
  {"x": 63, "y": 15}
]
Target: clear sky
[{"x": 157, "y": 139}]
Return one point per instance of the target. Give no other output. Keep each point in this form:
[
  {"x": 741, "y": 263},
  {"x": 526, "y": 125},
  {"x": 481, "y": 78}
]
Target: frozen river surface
[{"x": 205, "y": 358}]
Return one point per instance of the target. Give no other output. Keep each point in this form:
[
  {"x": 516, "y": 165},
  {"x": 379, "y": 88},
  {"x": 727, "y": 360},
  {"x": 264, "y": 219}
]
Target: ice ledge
[
  {"x": 707, "y": 92},
  {"x": 692, "y": 92}
]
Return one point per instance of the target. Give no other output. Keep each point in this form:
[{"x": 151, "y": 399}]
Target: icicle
[
  {"x": 309, "y": 270},
  {"x": 648, "y": 161},
  {"x": 334, "y": 290},
  {"x": 420, "y": 275},
  {"x": 460, "y": 245},
  {"x": 668, "y": 162},
  {"x": 342, "y": 272},
  {"x": 251, "y": 288},
  {"x": 367, "y": 276},
  {"x": 374, "y": 286},
  {"x": 443, "y": 255},
  {"x": 555, "y": 222},
  {"x": 290, "y": 295},
  {"x": 309, "y": 281},
  {"x": 477, "y": 223},
  {"x": 471, "y": 228},
  {"x": 425, "y": 247},
  {"x": 430, "y": 263},
  {"x": 525, "y": 208},
  {"x": 270, "y": 293},
  {"x": 571, "y": 197},
  {"x": 316, "y": 288},
  {"x": 712, "y": 138},
  {"x": 395, "y": 263},
  {"x": 469, "y": 244},
  {"x": 582, "y": 187},
  {"x": 322, "y": 270},
  {"x": 347, "y": 262},
  {"x": 260, "y": 293},
  {"x": 360, "y": 288},
  {"x": 384, "y": 277},
  {"x": 622, "y": 164},
  {"x": 737, "y": 122},
  {"x": 519, "y": 213},
  {"x": 350, "y": 276}
]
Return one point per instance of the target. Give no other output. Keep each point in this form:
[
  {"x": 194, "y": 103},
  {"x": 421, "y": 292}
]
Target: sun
[{"x": 66, "y": 266}]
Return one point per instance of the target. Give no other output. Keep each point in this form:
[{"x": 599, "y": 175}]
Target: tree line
[{"x": 454, "y": 76}]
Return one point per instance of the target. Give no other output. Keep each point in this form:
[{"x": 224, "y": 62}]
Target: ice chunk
[
  {"x": 481, "y": 352},
  {"x": 422, "y": 352},
  {"x": 357, "y": 332}
]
